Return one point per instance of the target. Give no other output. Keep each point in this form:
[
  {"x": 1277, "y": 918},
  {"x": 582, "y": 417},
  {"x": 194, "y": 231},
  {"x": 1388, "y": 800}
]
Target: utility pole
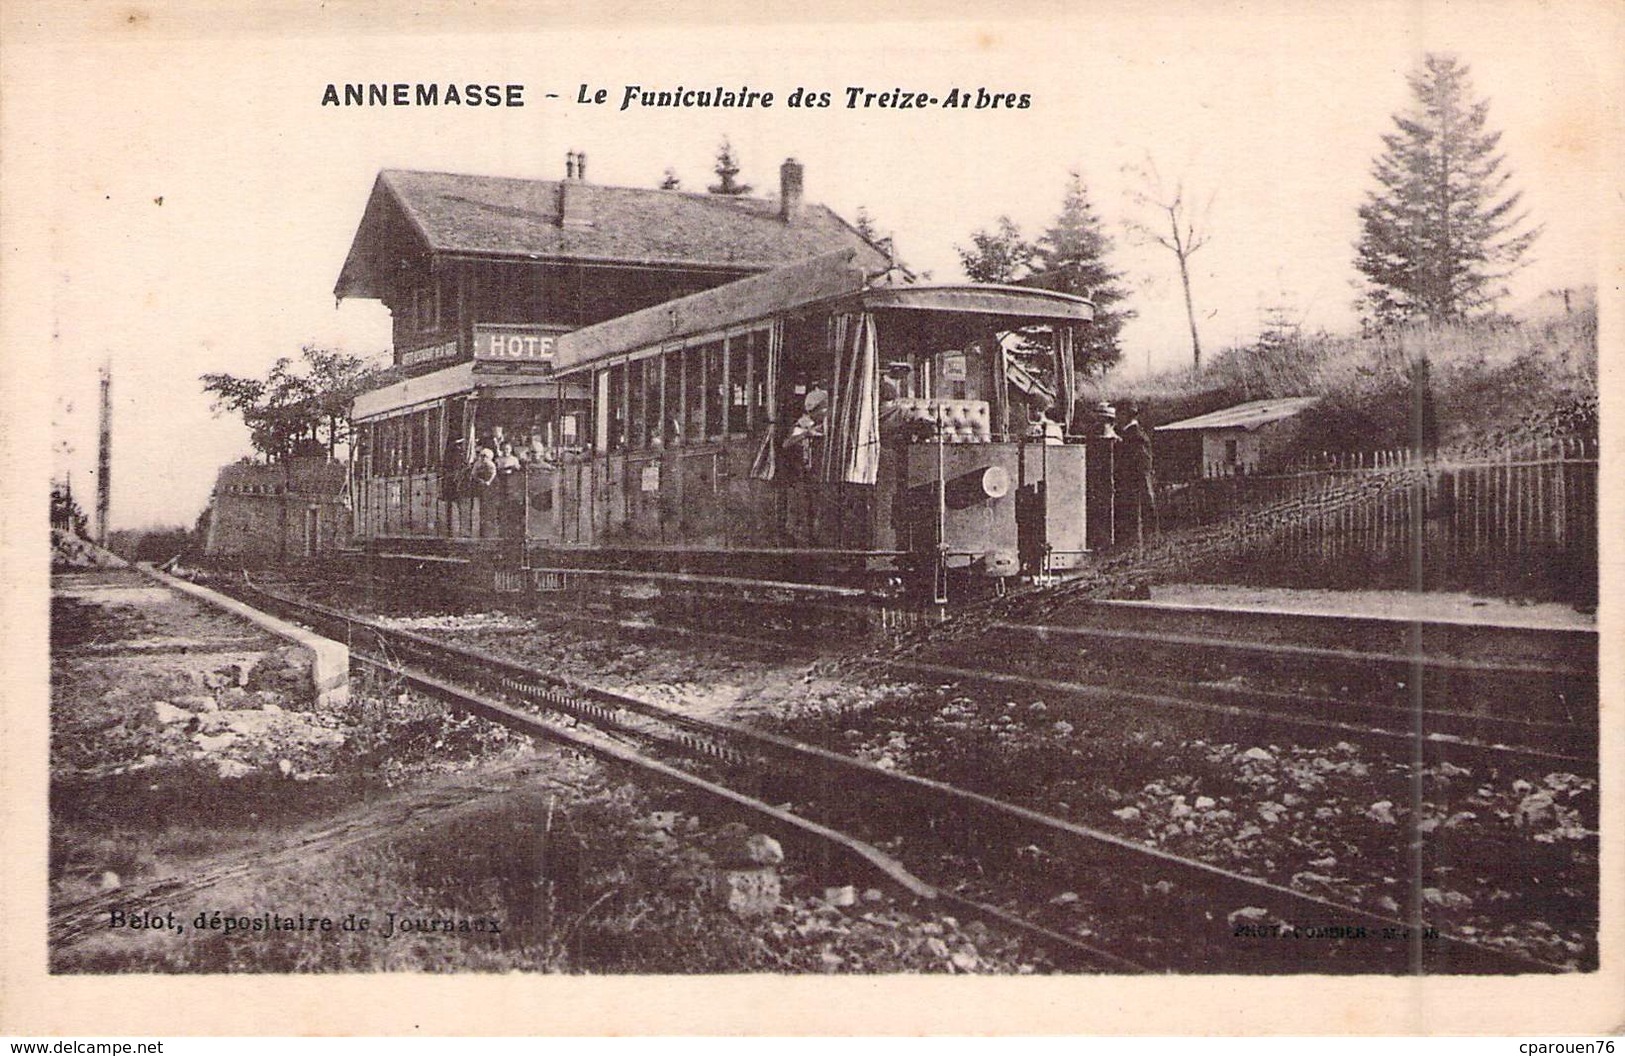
[{"x": 104, "y": 456}]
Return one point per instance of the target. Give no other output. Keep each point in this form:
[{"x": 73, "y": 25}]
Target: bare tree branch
[{"x": 1169, "y": 221}]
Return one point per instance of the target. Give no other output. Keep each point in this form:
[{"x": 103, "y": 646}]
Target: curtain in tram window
[
  {"x": 852, "y": 448},
  {"x": 766, "y": 464},
  {"x": 1068, "y": 388}
]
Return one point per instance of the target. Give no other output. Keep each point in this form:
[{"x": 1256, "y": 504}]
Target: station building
[{"x": 482, "y": 274}]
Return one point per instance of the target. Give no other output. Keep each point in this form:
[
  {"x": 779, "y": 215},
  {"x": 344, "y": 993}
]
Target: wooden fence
[{"x": 1522, "y": 523}]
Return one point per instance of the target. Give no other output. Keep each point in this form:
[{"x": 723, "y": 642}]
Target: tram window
[
  {"x": 756, "y": 343},
  {"x": 616, "y": 411},
  {"x": 418, "y": 424},
  {"x": 738, "y": 366},
  {"x": 361, "y": 450},
  {"x": 651, "y": 402},
  {"x": 694, "y": 393},
  {"x": 671, "y": 401},
  {"x": 637, "y": 395},
  {"x": 456, "y": 411},
  {"x": 714, "y": 382}
]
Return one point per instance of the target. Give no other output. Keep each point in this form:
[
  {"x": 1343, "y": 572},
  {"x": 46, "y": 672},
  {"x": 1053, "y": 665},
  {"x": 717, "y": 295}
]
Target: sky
[{"x": 177, "y": 201}]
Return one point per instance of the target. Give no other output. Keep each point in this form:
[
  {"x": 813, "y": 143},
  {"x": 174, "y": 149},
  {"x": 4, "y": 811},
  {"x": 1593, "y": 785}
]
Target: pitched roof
[
  {"x": 1247, "y": 416},
  {"x": 506, "y": 217}
]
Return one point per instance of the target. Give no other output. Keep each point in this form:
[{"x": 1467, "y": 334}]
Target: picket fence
[{"x": 1522, "y": 521}]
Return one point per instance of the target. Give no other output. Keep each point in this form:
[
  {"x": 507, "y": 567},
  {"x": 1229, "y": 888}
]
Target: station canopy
[{"x": 460, "y": 380}]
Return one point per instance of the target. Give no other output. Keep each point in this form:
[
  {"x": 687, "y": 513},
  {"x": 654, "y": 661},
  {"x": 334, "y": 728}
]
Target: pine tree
[
  {"x": 1070, "y": 257},
  {"x": 865, "y": 225},
  {"x": 1442, "y": 231},
  {"x": 65, "y": 511},
  {"x": 1001, "y": 256},
  {"x": 726, "y": 169}
]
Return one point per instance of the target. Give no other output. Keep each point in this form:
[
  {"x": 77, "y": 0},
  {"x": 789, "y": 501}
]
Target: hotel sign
[
  {"x": 514, "y": 344},
  {"x": 431, "y": 354}
]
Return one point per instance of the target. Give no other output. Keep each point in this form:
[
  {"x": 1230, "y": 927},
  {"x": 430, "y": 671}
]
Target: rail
[{"x": 944, "y": 807}]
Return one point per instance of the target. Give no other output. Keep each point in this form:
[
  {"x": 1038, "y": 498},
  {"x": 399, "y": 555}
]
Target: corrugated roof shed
[
  {"x": 1246, "y": 415},
  {"x": 528, "y": 219}
]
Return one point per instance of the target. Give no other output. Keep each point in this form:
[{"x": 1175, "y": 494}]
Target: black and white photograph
[{"x": 769, "y": 511}]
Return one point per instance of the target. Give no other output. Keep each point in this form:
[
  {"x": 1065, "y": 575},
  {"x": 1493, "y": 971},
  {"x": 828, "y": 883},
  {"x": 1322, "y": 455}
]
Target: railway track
[
  {"x": 1155, "y": 909},
  {"x": 1460, "y": 694}
]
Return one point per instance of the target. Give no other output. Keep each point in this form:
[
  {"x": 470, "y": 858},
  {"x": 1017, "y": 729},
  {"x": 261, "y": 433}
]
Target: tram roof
[
  {"x": 1012, "y": 302},
  {"x": 460, "y": 380},
  {"x": 827, "y": 278}
]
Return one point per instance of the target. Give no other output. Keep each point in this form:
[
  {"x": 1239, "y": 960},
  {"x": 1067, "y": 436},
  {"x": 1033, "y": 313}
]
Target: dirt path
[{"x": 438, "y": 800}]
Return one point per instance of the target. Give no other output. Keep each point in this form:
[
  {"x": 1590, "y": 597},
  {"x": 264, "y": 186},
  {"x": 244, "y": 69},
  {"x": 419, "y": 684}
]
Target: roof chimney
[
  {"x": 574, "y": 209},
  {"x": 790, "y": 174}
]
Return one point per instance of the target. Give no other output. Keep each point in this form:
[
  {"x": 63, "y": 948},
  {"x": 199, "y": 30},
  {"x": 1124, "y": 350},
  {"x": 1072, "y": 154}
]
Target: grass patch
[{"x": 1492, "y": 382}]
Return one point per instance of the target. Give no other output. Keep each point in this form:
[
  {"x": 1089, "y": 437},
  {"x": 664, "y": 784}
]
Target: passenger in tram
[
  {"x": 901, "y": 418},
  {"x": 893, "y": 418},
  {"x": 485, "y": 467},
  {"x": 810, "y": 428},
  {"x": 536, "y": 452},
  {"x": 1040, "y": 424}
]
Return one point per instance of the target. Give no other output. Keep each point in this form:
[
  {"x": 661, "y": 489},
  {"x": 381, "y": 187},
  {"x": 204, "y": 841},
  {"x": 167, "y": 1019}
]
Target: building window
[{"x": 426, "y": 307}]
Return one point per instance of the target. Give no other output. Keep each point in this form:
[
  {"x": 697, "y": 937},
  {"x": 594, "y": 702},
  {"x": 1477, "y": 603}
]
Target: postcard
[{"x": 746, "y": 519}]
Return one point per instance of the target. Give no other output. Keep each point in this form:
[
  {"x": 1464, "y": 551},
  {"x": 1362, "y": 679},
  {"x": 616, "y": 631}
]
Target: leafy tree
[
  {"x": 726, "y": 169},
  {"x": 670, "y": 182},
  {"x": 1174, "y": 224},
  {"x": 298, "y": 409},
  {"x": 1001, "y": 256},
  {"x": 1070, "y": 257},
  {"x": 1442, "y": 230}
]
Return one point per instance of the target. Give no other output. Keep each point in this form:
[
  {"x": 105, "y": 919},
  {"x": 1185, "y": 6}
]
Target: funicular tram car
[{"x": 798, "y": 426}]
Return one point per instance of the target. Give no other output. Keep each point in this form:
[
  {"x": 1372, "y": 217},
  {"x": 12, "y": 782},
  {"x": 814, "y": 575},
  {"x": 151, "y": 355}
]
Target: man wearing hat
[{"x": 1136, "y": 481}]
